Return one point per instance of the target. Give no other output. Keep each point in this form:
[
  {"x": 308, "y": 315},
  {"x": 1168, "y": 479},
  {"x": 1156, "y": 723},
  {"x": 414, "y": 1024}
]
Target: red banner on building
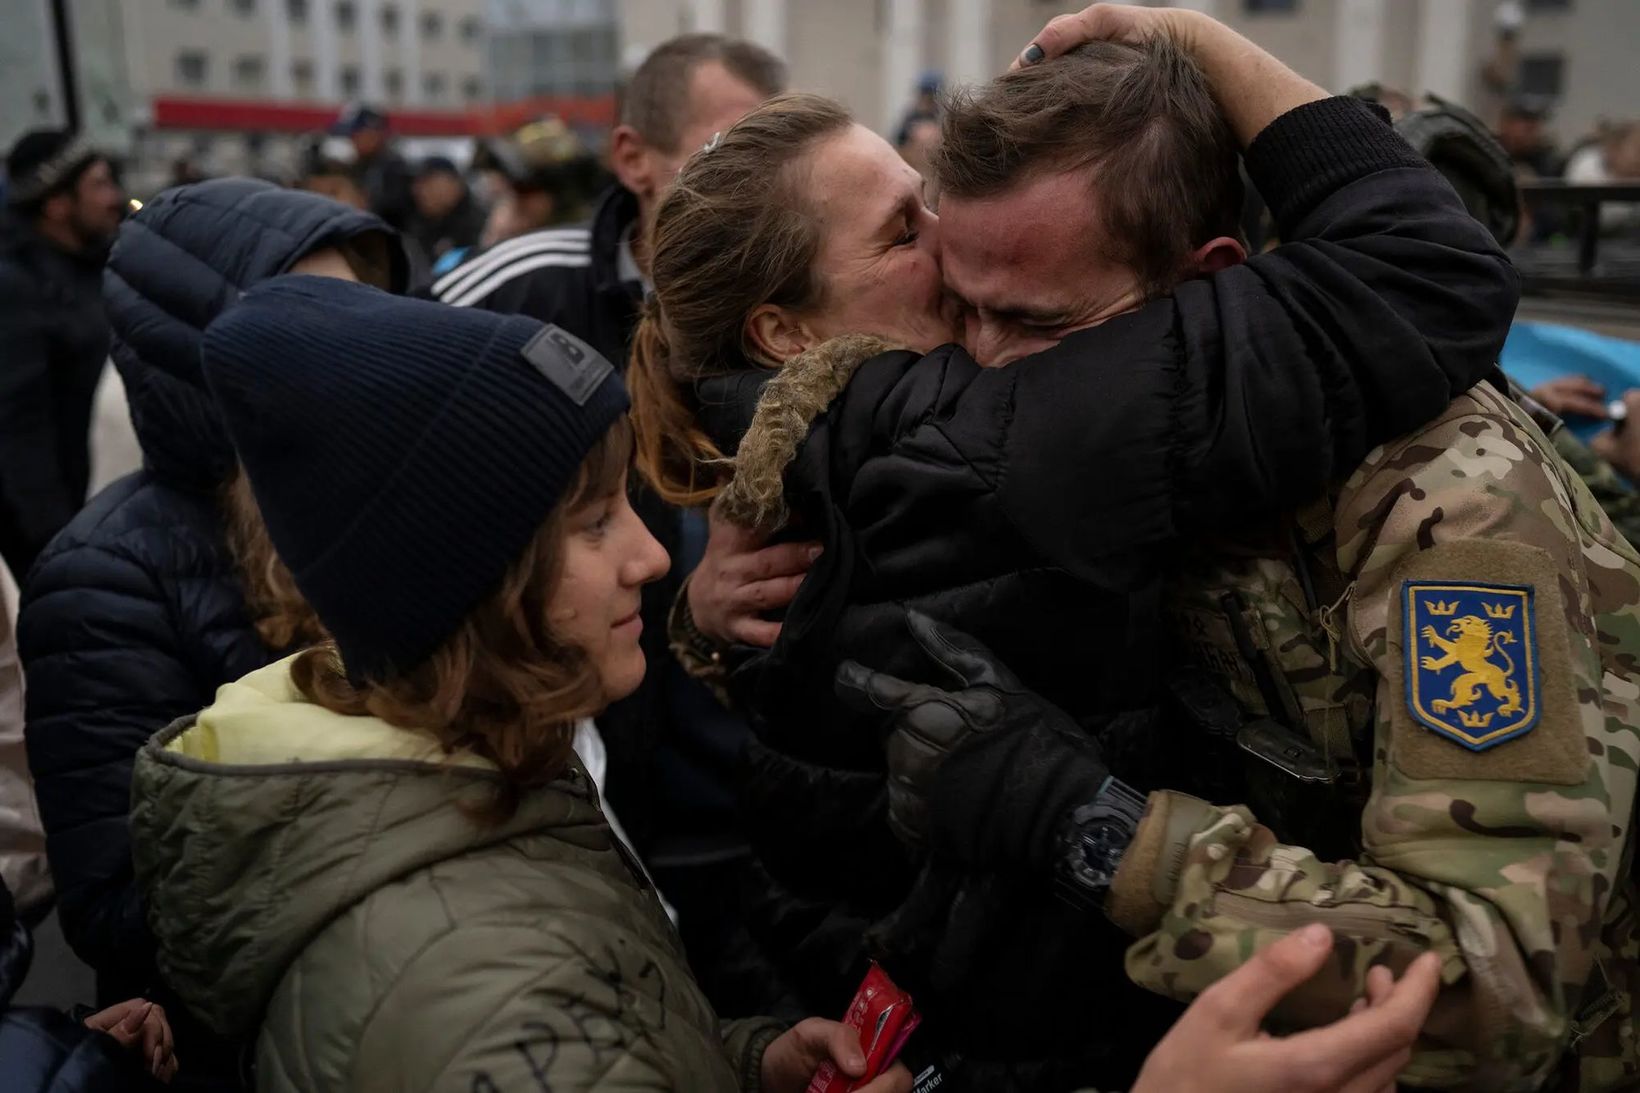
[{"x": 256, "y": 116}]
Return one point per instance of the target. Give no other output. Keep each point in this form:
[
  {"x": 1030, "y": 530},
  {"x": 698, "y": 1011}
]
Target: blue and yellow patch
[{"x": 1471, "y": 660}]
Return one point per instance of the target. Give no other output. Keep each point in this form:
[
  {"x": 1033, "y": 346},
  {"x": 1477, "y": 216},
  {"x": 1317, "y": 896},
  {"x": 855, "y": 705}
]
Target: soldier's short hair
[
  {"x": 655, "y": 101},
  {"x": 1163, "y": 161}
]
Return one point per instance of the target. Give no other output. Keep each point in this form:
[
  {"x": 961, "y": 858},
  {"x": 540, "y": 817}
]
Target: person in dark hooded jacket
[{"x": 137, "y": 612}]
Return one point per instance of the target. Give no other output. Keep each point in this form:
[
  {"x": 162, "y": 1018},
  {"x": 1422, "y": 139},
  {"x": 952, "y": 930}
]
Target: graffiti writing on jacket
[{"x": 586, "y": 1031}]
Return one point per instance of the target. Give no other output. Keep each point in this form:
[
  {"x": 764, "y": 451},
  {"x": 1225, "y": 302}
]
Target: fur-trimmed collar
[{"x": 800, "y": 392}]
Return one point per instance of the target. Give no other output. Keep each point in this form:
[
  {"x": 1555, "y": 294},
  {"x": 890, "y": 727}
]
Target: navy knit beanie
[{"x": 403, "y": 452}]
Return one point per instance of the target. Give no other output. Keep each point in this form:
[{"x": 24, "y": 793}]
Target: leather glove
[{"x": 981, "y": 773}]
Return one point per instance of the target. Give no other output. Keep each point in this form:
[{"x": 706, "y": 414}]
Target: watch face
[
  {"x": 1096, "y": 854},
  {"x": 1092, "y": 850},
  {"x": 1102, "y": 847}
]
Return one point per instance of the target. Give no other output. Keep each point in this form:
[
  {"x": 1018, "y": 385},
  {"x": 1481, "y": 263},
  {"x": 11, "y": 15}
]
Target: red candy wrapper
[{"x": 883, "y": 1014}]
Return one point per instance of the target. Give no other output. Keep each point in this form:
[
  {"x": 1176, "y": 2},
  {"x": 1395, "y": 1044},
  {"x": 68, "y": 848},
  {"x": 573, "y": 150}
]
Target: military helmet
[{"x": 1465, "y": 151}]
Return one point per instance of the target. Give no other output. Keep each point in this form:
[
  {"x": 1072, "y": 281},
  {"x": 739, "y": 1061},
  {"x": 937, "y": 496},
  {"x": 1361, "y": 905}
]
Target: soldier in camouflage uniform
[
  {"x": 1433, "y": 713},
  {"x": 1498, "y": 839},
  {"x": 1436, "y": 687}
]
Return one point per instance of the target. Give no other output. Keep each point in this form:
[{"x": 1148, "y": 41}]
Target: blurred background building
[
  {"x": 237, "y": 85},
  {"x": 553, "y": 47},
  {"x": 230, "y": 84},
  {"x": 871, "y": 53}
]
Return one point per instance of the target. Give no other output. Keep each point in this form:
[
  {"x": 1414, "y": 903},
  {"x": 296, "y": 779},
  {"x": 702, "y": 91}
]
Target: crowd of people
[
  {"x": 570, "y": 655},
  {"x": 539, "y": 176}
]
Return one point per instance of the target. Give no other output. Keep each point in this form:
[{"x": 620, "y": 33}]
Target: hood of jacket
[
  {"x": 763, "y": 417},
  {"x": 854, "y": 447},
  {"x": 175, "y": 266},
  {"x": 263, "y": 818}
]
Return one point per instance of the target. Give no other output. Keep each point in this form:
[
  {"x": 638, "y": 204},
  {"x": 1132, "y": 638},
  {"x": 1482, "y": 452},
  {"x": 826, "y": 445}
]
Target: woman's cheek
[{"x": 933, "y": 279}]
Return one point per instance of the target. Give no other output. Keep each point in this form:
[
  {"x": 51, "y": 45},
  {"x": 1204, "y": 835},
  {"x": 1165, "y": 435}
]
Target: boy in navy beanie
[{"x": 403, "y": 453}]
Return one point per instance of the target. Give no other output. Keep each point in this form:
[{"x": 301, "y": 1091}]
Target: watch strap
[{"x": 1093, "y": 840}]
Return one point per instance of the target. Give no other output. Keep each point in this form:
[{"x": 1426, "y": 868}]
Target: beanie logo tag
[{"x": 573, "y": 366}]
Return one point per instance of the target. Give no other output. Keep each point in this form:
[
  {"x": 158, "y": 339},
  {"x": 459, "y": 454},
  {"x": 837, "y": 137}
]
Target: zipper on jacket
[{"x": 1290, "y": 916}]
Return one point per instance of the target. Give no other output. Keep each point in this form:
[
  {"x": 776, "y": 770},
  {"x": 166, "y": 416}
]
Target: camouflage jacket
[{"x": 1463, "y": 684}]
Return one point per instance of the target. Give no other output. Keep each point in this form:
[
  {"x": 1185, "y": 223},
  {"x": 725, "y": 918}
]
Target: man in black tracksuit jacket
[{"x": 672, "y": 748}]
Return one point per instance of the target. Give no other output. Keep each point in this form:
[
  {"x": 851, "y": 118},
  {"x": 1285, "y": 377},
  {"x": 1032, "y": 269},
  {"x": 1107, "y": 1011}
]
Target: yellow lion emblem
[{"x": 1472, "y": 647}]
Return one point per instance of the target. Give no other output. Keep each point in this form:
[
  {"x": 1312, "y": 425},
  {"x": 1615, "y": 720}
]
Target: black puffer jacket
[
  {"x": 135, "y": 615},
  {"x": 43, "y": 1050},
  {"x": 1023, "y": 503}
]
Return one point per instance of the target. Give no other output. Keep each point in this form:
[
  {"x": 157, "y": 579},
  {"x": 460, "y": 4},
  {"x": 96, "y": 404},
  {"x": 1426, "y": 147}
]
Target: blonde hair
[
  {"x": 734, "y": 232},
  {"x": 502, "y": 685}
]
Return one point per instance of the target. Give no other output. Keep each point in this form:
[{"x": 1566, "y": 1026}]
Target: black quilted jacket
[
  {"x": 134, "y": 614},
  {"x": 46, "y": 1051}
]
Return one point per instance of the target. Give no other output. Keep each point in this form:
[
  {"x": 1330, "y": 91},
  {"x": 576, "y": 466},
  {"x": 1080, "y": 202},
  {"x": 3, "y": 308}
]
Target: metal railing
[{"x": 1580, "y": 258}]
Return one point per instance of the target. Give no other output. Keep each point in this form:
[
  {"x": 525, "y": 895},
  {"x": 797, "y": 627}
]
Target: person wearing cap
[
  {"x": 381, "y": 856},
  {"x": 925, "y": 109},
  {"x": 1521, "y": 132},
  {"x": 63, "y": 205},
  {"x": 447, "y": 218},
  {"x": 543, "y": 176},
  {"x": 378, "y": 168}
]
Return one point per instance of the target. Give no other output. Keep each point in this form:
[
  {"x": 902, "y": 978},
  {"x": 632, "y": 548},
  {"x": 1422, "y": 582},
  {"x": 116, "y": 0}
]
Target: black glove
[{"x": 983, "y": 774}]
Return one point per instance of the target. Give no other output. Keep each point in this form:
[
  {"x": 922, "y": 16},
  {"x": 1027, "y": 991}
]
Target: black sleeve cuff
[{"x": 1312, "y": 152}]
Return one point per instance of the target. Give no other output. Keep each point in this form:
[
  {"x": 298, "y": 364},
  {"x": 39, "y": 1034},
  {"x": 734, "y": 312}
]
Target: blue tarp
[{"x": 1538, "y": 352}]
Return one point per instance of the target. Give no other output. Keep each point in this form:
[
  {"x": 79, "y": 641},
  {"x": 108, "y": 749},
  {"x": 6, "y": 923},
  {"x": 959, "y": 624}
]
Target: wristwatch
[
  {"x": 701, "y": 657},
  {"x": 1094, "y": 838}
]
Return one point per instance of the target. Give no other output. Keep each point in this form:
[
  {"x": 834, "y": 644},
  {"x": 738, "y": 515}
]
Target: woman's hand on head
[
  {"x": 140, "y": 1027},
  {"x": 1253, "y": 87},
  {"x": 1109, "y": 23},
  {"x": 739, "y": 580},
  {"x": 791, "y": 1061}
]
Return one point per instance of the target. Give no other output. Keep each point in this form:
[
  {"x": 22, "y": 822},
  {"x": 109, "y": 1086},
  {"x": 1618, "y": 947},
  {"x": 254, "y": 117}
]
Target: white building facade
[{"x": 869, "y": 53}]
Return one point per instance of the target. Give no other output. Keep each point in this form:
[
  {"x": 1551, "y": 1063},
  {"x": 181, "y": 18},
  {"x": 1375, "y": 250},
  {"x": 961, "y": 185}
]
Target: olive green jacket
[{"x": 318, "y": 882}]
